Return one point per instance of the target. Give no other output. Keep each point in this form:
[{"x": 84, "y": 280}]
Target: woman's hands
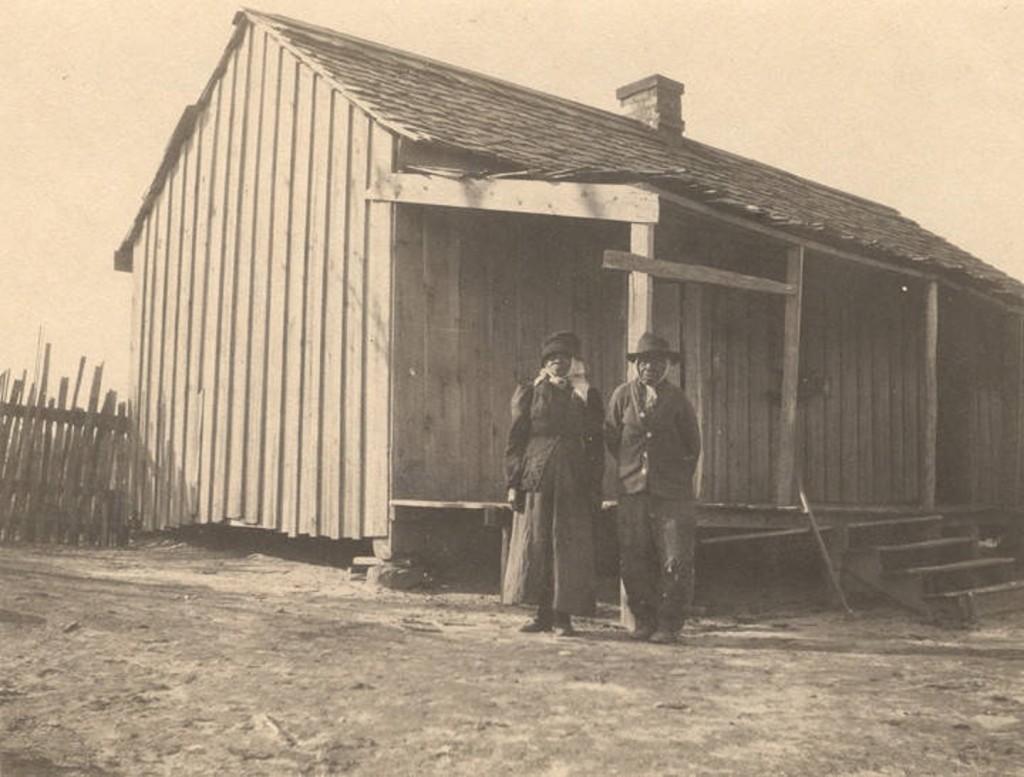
[{"x": 516, "y": 500}]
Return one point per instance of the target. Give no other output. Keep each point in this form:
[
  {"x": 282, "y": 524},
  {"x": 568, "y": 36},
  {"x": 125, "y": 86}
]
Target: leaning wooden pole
[{"x": 833, "y": 577}]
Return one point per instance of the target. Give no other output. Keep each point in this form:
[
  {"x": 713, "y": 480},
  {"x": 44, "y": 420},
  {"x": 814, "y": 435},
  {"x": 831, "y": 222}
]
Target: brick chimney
[{"x": 656, "y": 101}]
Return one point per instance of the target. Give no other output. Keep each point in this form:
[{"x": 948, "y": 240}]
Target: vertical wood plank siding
[
  {"x": 247, "y": 104},
  {"x": 355, "y": 302},
  {"x": 260, "y": 274},
  {"x": 191, "y": 408},
  {"x": 318, "y": 187},
  {"x": 140, "y": 304},
  {"x": 978, "y": 403},
  {"x": 333, "y": 373},
  {"x": 262, "y": 111},
  {"x": 1015, "y": 390},
  {"x": 861, "y": 380},
  {"x": 858, "y": 399},
  {"x": 276, "y": 379},
  {"x": 475, "y": 293},
  {"x": 693, "y": 343},
  {"x": 741, "y": 390},
  {"x": 155, "y": 346},
  {"x": 226, "y": 198},
  {"x": 176, "y": 319},
  {"x": 297, "y": 204}
]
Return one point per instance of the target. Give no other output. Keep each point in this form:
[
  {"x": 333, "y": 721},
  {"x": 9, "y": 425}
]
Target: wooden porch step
[
  {"x": 957, "y": 566},
  {"x": 969, "y": 604},
  {"x": 893, "y": 530},
  {"x": 910, "y": 520},
  {"x": 959, "y": 575},
  {"x": 755, "y": 536},
  {"x": 931, "y": 552},
  {"x": 938, "y": 542}
]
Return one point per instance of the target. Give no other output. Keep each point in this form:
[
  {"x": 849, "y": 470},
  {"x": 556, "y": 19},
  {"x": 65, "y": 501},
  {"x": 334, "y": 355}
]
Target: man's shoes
[
  {"x": 664, "y": 637},
  {"x": 564, "y": 630},
  {"x": 535, "y": 626},
  {"x": 563, "y": 625},
  {"x": 642, "y": 632}
]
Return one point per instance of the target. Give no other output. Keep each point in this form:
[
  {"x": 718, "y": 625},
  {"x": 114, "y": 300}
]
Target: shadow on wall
[
  {"x": 762, "y": 576},
  {"x": 240, "y": 541}
]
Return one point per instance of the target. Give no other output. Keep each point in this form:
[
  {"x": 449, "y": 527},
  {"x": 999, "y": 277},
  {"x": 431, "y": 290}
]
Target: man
[{"x": 651, "y": 429}]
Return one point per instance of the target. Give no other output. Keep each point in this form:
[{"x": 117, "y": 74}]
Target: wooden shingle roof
[
  {"x": 546, "y": 137},
  {"x": 530, "y": 134}
]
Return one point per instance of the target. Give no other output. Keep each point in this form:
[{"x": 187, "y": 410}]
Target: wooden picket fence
[{"x": 64, "y": 470}]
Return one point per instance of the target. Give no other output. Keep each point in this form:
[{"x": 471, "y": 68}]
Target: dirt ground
[{"x": 171, "y": 658}]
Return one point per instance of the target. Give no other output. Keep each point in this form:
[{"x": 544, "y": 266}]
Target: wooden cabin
[{"x": 349, "y": 255}]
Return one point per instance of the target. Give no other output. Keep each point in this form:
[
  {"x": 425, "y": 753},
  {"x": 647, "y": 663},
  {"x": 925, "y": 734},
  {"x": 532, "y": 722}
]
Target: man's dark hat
[
  {"x": 651, "y": 343},
  {"x": 560, "y": 342}
]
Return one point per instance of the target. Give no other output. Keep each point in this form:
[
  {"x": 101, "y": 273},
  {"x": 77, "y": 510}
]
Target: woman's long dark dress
[{"x": 555, "y": 456}]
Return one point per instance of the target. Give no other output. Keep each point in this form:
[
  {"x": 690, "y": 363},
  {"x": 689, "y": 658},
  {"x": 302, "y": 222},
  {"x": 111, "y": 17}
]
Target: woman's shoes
[
  {"x": 642, "y": 632},
  {"x": 564, "y": 630},
  {"x": 558, "y": 622},
  {"x": 562, "y": 625},
  {"x": 664, "y": 637}
]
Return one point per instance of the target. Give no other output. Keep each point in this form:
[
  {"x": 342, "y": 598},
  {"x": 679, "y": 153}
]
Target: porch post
[
  {"x": 786, "y": 462},
  {"x": 640, "y": 310},
  {"x": 639, "y": 319},
  {"x": 378, "y": 520},
  {"x": 693, "y": 338},
  {"x": 1018, "y": 432},
  {"x": 931, "y": 394}
]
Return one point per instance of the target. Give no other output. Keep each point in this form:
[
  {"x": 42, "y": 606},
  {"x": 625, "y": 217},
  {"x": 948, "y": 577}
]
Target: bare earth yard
[{"x": 173, "y": 659}]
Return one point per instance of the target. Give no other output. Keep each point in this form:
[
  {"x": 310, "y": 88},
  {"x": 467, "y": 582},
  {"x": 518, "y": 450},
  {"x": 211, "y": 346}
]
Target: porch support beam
[
  {"x": 640, "y": 310},
  {"x": 693, "y": 364},
  {"x": 692, "y": 273},
  {"x": 930, "y": 410},
  {"x": 377, "y": 511},
  {"x": 785, "y": 493},
  {"x": 822, "y": 248},
  {"x": 608, "y": 202}
]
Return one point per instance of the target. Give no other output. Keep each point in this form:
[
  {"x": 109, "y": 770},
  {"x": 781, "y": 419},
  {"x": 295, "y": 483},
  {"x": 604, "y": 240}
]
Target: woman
[{"x": 554, "y": 461}]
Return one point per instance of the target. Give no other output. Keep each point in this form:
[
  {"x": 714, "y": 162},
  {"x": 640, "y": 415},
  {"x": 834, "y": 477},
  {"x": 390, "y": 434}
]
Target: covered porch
[{"x": 806, "y": 363}]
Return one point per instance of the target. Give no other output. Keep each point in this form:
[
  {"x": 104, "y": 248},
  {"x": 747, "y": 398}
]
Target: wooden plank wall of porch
[{"x": 862, "y": 405}]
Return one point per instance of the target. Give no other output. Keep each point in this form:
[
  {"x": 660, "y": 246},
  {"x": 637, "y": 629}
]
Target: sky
[{"x": 918, "y": 104}]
